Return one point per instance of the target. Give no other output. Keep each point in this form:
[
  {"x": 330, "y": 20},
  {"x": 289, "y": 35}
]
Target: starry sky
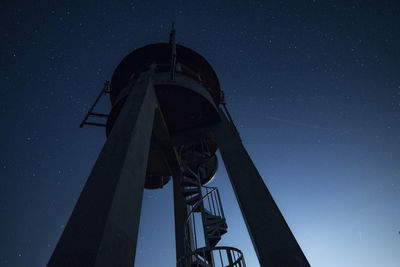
[{"x": 313, "y": 87}]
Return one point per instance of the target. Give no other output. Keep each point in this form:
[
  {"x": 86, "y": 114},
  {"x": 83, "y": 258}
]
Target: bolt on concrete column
[{"x": 103, "y": 227}]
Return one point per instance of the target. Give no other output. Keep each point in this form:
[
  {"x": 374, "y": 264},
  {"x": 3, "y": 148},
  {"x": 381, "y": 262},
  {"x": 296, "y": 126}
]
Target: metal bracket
[{"x": 105, "y": 90}]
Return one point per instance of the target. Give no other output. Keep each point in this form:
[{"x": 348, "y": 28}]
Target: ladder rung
[
  {"x": 90, "y": 113},
  {"x": 98, "y": 115},
  {"x": 95, "y": 124}
]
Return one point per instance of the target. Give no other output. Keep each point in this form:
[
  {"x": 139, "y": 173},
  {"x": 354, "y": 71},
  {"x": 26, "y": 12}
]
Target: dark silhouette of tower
[{"x": 168, "y": 119}]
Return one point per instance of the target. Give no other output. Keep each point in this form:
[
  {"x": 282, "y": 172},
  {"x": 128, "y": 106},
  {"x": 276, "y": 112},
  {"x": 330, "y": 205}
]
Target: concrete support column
[
  {"x": 103, "y": 227},
  {"x": 272, "y": 239},
  {"x": 180, "y": 212},
  {"x": 180, "y": 209}
]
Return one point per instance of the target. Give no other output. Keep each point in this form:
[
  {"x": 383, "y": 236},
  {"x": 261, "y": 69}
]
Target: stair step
[
  {"x": 189, "y": 173},
  {"x": 214, "y": 237},
  {"x": 216, "y": 229},
  {"x": 196, "y": 209},
  {"x": 219, "y": 221},
  {"x": 211, "y": 217},
  {"x": 193, "y": 199},
  {"x": 213, "y": 241},
  {"x": 205, "y": 258},
  {"x": 216, "y": 232},
  {"x": 188, "y": 191},
  {"x": 188, "y": 181}
]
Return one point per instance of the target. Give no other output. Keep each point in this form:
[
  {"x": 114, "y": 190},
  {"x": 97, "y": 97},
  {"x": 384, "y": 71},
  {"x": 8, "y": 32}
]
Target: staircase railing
[
  {"x": 205, "y": 199},
  {"x": 223, "y": 257},
  {"x": 205, "y": 223},
  {"x": 214, "y": 201}
]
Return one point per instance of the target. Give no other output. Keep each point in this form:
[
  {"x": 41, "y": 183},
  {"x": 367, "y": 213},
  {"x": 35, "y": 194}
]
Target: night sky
[{"x": 313, "y": 87}]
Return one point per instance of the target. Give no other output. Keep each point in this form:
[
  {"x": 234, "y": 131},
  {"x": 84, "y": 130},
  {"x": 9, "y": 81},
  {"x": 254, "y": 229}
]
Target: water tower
[{"x": 168, "y": 119}]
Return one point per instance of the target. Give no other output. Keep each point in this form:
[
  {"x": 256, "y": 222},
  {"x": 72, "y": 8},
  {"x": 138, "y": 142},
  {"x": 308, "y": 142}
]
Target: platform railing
[
  {"x": 213, "y": 201},
  {"x": 205, "y": 225},
  {"x": 222, "y": 257},
  {"x": 206, "y": 200}
]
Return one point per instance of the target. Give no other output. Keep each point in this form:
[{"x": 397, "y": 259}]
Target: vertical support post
[
  {"x": 103, "y": 227},
  {"x": 180, "y": 208},
  {"x": 272, "y": 239},
  {"x": 229, "y": 255},
  {"x": 180, "y": 213}
]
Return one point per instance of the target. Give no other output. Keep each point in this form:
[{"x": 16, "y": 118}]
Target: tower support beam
[
  {"x": 272, "y": 239},
  {"x": 180, "y": 209},
  {"x": 103, "y": 227},
  {"x": 180, "y": 214}
]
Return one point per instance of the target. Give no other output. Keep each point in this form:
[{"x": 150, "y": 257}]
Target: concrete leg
[
  {"x": 180, "y": 212},
  {"x": 103, "y": 227},
  {"x": 272, "y": 239}
]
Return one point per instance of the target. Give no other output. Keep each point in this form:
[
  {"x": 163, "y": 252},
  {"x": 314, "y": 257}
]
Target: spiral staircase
[{"x": 206, "y": 223}]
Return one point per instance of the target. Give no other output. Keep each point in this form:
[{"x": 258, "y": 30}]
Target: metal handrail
[
  {"x": 206, "y": 256},
  {"x": 239, "y": 261},
  {"x": 195, "y": 206}
]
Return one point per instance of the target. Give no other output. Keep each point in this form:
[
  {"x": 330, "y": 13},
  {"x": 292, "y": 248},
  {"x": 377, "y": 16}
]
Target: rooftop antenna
[{"x": 173, "y": 53}]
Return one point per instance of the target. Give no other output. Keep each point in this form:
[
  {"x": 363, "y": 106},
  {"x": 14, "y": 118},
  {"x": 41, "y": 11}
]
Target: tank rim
[{"x": 140, "y": 57}]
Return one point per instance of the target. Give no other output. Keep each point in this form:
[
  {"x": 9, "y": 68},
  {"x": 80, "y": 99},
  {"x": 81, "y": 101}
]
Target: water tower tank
[{"x": 188, "y": 102}]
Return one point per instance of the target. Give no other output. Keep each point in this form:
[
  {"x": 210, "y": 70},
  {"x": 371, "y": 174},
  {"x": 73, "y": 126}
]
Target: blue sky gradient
[{"x": 313, "y": 87}]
